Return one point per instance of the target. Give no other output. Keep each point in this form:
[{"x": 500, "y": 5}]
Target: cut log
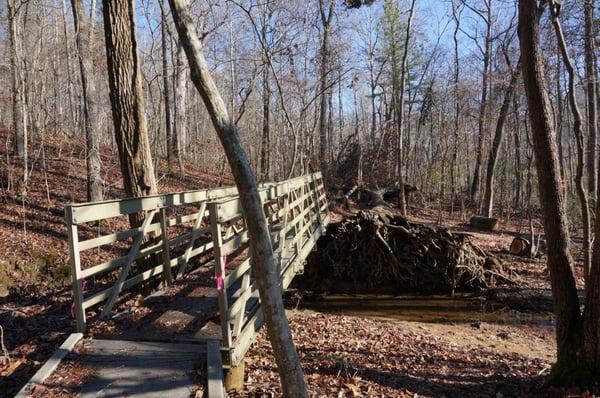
[
  {"x": 484, "y": 223},
  {"x": 520, "y": 247}
]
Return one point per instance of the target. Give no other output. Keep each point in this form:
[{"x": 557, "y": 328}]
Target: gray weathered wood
[
  {"x": 214, "y": 370},
  {"x": 51, "y": 364},
  {"x": 141, "y": 369}
]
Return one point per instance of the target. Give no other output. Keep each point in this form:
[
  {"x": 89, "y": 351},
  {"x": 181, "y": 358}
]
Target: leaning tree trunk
[
  {"x": 127, "y": 100},
  {"x": 560, "y": 264},
  {"x": 578, "y": 130},
  {"x": 488, "y": 201},
  {"x": 93, "y": 161},
  {"x": 263, "y": 262}
]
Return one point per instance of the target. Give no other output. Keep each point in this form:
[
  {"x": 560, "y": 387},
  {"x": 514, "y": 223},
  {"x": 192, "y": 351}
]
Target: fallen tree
[{"x": 377, "y": 250}]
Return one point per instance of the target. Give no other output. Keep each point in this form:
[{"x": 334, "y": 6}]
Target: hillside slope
[{"x": 35, "y": 295}]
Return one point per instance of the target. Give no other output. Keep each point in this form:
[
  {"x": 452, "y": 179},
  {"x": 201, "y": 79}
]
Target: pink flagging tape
[{"x": 219, "y": 278}]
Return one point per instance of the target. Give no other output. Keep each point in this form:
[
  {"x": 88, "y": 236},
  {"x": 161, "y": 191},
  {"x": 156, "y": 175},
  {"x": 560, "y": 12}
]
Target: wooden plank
[
  {"x": 141, "y": 369},
  {"x": 193, "y": 237},
  {"x": 237, "y": 273},
  {"x": 214, "y": 370},
  {"x": 86, "y": 212},
  {"x": 104, "y": 294},
  {"x": 118, "y": 262},
  {"x": 76, "y": 274},
  {"x": 166, "y": 252},
  {"x": 246, "y": 337},
  {"x": 51, "y": 364},
  {"x": 220, "y": 273}
]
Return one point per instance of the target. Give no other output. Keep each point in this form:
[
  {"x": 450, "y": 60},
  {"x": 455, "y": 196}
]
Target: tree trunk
[
  {"x": 167, "y": 99},
  {"x": 488, "y": 202},
  {"x": 180, "y": 122},
  {"x": 93, "y": 160},
  {"x": 560, "y": 264},
  {"x": 127, "y": 101},
  {"x": 263, "y": 262},
  {"x": 578, "y": 132},
  {"x": 400, "y": 121},
  {"x": 19, "y": 115},
  {"x": 326, "y": 18},
  {"x": 590, "y": 77},
  {"x": 482, "y": 119},
  {"x": 265, "y": 148}
]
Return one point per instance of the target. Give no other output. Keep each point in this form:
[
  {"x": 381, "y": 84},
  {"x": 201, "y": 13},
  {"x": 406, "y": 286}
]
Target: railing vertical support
[
  {"x": 213, "y": 210},
  {"x": 76, "y": 274},
  {"x": 166, "y": 252},
  {"x": 317, "y": 203}
]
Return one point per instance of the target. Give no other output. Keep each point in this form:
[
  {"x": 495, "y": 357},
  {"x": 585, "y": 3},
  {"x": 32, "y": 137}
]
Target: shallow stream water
[{"x": 428, "y": 309}]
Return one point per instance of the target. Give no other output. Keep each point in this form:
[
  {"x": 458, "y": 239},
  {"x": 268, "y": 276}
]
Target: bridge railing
[
  {"x": 296, "y": 213},
  {"x": 108, "y": 258}
]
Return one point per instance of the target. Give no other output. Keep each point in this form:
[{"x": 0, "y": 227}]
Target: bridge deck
[{"x": 141, "y": 369}]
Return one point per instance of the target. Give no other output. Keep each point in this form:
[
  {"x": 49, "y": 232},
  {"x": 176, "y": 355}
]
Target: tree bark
[
  {"x": 482, "y": 119},
  {"x": 590, "y": 77},
  {"x": 488, "y": 201},
  {"x": 167, "y": 100},
  {"x": 263, "y": 262},
  {"x": 19, "y": 115},
  {"x": 400, "y": 111},
  {"x": 93, "y": 160},
  {"x": 326, "y": 18},
  {"x": 560, "y": 263},
  {"x": 180, "y": 122},
  {"x": 265, "y": 148},
  {"x": 127, "y": 101},
  {"x": 578, "y": 132}
]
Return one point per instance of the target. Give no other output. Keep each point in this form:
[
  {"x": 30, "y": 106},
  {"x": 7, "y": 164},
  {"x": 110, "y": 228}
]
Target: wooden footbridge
[{"x": 183, "y": 234}]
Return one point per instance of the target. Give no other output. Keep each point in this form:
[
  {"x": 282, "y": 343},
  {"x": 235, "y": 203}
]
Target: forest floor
[
  {"x": 360, "y": 350},
  {"x": 35, "y": 293},
  {"x": 344, "y": 353}
]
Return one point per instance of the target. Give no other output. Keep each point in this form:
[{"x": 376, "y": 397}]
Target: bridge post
[
  {"x": 76, "y": 274},
  {"x": 215, "y": 225},
  {"x": 166, "y": 252},
  {"x": 234, "y": 377}
]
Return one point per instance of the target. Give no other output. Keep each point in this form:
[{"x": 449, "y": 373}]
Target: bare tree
[
  {"x": 19, "y": 115},
  {"x": 93, "y": 161},
  {"x": 486, "y": 17},
  {"x": 590, "y": 76},
  {"x": 570, "y": 364},
  {"x": 400, "y": 110},
  {"x": 263, "y": 262},
  {"x": 326, "y": 16},
  {"x": 488, "y": 201},
  {"x": 167, "y": 98},
  {"x": 127, "y": 100},
  {"x": 578, "y": 131}
]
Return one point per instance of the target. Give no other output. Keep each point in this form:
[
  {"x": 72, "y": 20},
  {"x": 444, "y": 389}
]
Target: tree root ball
[{"x": 377, "y": 249}]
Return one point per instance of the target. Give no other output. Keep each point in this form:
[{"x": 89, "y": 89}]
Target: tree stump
[{"x": 520, "y": 247}]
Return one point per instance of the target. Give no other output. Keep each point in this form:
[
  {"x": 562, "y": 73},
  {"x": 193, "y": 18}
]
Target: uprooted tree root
[{"x": 377, "y": 248}]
